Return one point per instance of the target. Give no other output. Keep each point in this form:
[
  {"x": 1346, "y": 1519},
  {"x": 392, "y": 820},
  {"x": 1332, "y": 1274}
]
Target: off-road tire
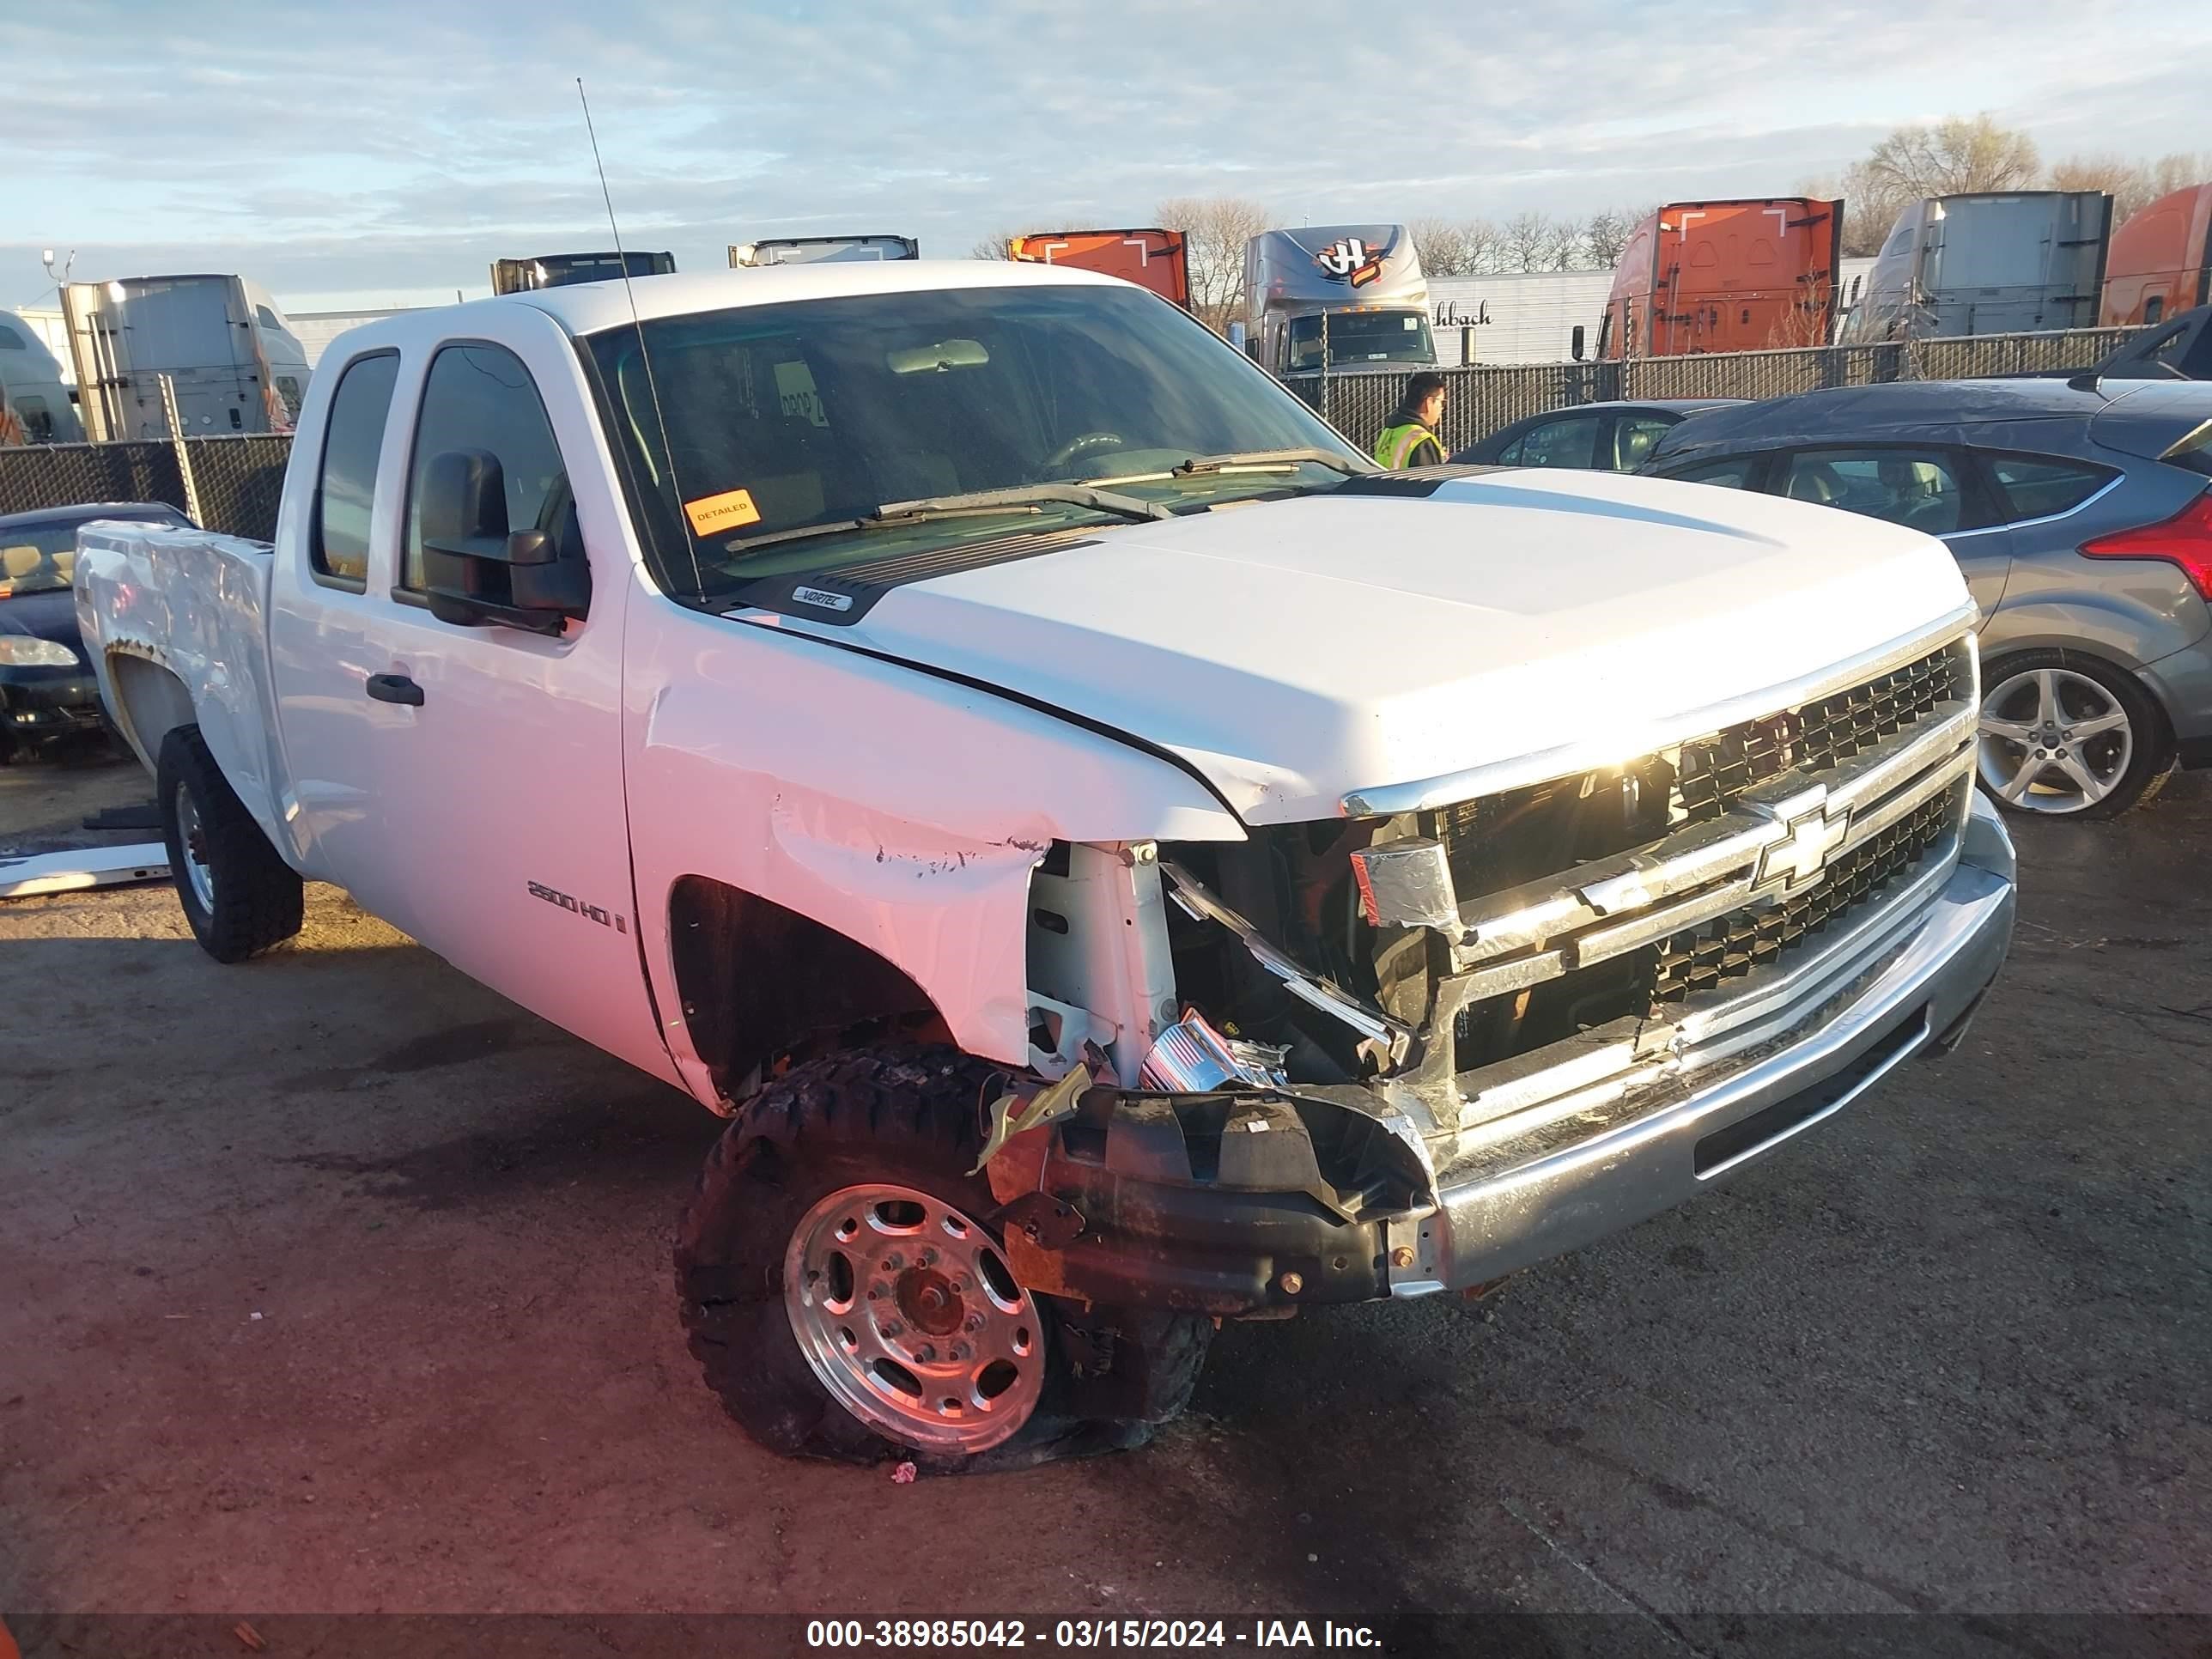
[
  {"x": 912, "y": 1116},
  {"x": 2155, "y": 756},
  {"x": 259, "y": 901}
]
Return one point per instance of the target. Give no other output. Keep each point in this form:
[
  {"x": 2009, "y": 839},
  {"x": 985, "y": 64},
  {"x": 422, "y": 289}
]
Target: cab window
[
  {"x": 1917, "y": 488},
  {"x": 338, "y": 542},
  {"x": 480, "y": 396},
  {"x": 38, "y": 420}
]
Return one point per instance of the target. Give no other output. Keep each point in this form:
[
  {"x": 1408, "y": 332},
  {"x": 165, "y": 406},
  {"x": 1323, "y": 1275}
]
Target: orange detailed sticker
[{"x": 726, "y": 511}]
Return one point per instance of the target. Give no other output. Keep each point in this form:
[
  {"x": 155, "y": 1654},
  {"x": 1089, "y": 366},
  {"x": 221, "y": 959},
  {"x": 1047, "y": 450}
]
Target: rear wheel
[
  {"x": 2065, "y": 735},
  {"x": 239, "y": 897},
  {"x": 846, "y": 1296}
]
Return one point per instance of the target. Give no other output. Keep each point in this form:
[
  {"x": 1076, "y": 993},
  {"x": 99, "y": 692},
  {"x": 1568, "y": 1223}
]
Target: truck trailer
[
  {"x": 1154, "y": 258},
  {"x": 1347, "y": 297},
  {"x": 1996, "y": 263},
  {"x": 2161, "y": 260},
  {"x": 1751, "y": 275},
  {"x": 230, "y": 358},
  {"x": 560, "y": 270},
  {"x": 821, "y": 250}
]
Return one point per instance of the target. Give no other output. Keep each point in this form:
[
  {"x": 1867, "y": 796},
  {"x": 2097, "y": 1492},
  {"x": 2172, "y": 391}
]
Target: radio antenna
[{"x": 644, "y": 353}]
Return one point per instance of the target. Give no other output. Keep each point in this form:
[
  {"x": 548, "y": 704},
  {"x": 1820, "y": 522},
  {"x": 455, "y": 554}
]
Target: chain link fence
[
  {"x": 233, "y": 483},
  {"x": 229, "y": 485},
  {"x": 1478, "y": 400}
]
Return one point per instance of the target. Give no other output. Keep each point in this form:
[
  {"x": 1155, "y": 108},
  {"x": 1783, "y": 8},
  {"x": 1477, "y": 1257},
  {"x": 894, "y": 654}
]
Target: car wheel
[
  {"x": 239, "y": 897},
  {"x": 847, "y": 1296},
  {"x": 2065, "y": 735}
]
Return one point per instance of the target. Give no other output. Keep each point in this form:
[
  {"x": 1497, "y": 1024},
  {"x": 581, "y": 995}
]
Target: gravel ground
[{"x": 335, "y": 1283}]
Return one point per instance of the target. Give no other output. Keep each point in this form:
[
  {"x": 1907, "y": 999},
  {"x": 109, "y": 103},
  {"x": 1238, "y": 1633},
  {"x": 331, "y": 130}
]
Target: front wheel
[
  {"x": 2065, "y": 735},
  {"x": 847, "y": 1296}
]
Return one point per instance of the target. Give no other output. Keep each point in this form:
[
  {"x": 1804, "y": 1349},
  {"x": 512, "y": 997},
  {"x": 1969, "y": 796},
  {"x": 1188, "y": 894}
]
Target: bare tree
[
  {"x": 1957, "y": 155},
  {"x": 1605, "y": 236},
  {"x": 2133, "y": 185},
  {"x": 1563, "y": 247},
  {"x": 1215, "y": 229},
  {"x": 1456, "y": 248},
  {"x": 992, "y": 246},
  {"x": 1523, "y": 240}
]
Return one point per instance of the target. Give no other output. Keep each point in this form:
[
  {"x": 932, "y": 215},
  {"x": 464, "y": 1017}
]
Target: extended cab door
[{"x": 483, "y": 763}]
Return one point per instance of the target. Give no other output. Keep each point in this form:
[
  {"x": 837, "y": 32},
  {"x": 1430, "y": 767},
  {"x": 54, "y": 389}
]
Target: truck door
[{"x": 493, "y": 756}]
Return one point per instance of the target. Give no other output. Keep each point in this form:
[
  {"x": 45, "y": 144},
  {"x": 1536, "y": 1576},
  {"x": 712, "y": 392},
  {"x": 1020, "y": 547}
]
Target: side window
[
  {"x": 1635, "y": 436},
  {"x": 1510, "y": 455},
  {"x": 11, "y": 341},
  {"x": 1562, "y": 443},
  {"x": 2036, "y": 487},
  {"x": 1734, "y": 473},
  {"x": 288, "y": 388},
  {"x": 266, "y": 318},
  {"x": 1914, "y": 488},
  {"x": 37, "y": 419},
  {"x": 481, "y": 398},
  {"x": 338, "y": 539}
]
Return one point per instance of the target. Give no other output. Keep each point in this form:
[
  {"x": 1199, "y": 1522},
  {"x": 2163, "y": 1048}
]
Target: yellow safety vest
[{"x": 1396, "y": 445}]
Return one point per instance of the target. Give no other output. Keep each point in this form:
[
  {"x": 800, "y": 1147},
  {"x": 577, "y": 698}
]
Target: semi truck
[
  {"x": 1120, "y": 862},
  {"x": 1348, "y": 297},
  {"x": 1734, "y": 275},
  {"x": 818, "y": 250},
  {"x": 2161, "y": 262},
  {"x": 35, "y": 406},
  {"x": 231, "y": 360},
  {"x": 2014, "y": 262},
  {"x": 1152, "y": 257},
  {"x": 560, "y": 270}
]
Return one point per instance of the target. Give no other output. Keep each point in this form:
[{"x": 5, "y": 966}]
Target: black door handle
[{"x": 395, "y": 688}]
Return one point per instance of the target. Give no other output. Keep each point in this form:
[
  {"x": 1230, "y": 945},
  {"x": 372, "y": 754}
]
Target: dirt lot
[{"x": 334, "y": 1282}]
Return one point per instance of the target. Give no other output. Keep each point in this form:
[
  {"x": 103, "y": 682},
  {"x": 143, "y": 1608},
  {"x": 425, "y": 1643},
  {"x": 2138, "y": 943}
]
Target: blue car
[{"x": 48, "y": 690}]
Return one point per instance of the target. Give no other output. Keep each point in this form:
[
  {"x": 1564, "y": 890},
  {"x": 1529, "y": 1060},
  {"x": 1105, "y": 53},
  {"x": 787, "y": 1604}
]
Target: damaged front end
[{"x": 1419, "y": 1046}]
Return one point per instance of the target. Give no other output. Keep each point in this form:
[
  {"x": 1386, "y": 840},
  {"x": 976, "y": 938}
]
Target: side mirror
[
  {"x": 1575, "y": 342},
  {"x": 476, "y": 570}
]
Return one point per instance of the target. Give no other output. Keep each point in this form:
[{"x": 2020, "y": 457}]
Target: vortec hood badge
[{"x": 824, "y": 597}]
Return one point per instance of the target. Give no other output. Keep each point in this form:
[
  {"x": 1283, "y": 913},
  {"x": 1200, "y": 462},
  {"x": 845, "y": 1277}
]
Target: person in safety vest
[{"x": 1409, "y": 437}]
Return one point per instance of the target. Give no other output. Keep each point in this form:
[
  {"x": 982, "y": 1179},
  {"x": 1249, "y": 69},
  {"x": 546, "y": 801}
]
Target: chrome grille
[
  {"x": 1821, "y": 735},
  {"x": 1698, "y": 959}
]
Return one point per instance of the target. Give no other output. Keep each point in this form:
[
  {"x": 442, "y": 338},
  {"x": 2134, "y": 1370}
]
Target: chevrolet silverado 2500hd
[{"x": 1121, "y": 863}]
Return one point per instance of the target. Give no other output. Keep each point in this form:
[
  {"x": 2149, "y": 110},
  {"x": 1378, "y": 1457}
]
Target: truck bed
[{"x": 195, "y": 605}]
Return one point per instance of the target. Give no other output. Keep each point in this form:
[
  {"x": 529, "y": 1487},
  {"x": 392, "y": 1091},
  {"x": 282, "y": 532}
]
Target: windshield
[
  {"x": 1363, "y": 336},
  {"x": 824, "y": 412}
]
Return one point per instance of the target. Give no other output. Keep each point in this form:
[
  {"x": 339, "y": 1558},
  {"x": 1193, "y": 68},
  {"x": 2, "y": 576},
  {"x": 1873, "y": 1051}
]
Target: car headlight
[{"x": 21, "y": 651}]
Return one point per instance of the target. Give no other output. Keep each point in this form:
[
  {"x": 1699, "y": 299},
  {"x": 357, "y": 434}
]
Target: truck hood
[{"x": 1297, "y": 653}]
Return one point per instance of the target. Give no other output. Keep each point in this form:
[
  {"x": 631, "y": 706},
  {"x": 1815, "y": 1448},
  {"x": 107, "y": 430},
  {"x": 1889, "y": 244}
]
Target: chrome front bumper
[{"x": 1571, "y": 1173}]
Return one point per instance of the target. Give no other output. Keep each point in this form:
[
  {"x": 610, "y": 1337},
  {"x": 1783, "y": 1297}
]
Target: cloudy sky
[{"x": 384, "y": 154}]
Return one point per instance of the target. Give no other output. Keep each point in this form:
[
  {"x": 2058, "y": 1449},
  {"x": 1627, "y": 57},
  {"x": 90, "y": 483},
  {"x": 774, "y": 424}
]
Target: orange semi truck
[
  {"x": 2161, "y": 261},
  {"x": 1150, "y": 258},
  {"x": 1743, "y": 276}
]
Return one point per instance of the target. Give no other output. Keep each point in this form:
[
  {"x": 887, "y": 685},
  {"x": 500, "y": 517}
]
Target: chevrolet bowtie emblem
[{"x": 1811, "y": 834}]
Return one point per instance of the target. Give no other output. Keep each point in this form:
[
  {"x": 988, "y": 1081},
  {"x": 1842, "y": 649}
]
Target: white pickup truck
[{"x": 1121, "y": 862}]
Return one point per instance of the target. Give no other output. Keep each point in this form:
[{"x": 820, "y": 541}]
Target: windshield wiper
[
  {"x": 1247, "y": 460},
  {"x": 1031, "y": 499}
]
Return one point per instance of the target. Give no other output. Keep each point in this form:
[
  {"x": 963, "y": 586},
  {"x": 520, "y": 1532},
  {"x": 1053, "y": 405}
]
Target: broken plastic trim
[{"x": 1394, "y": 1039}]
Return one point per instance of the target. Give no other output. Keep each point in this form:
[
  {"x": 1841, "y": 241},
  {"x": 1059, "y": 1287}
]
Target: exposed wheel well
[
  {"x": 764, "y": 986},
  {"x": 150, "y": 702}
]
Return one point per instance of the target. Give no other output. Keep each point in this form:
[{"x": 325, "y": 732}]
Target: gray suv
[{"x": 2081, "y": 516}]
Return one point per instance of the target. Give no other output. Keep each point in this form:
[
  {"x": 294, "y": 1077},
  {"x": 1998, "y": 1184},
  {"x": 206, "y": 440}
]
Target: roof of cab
[{"x": 587, "y": 308}]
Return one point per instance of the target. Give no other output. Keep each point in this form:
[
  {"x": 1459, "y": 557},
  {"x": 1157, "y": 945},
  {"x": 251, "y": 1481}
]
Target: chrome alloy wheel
[
  {"x": 193, "y": 839},
  {"x": 909, "y": 1317},
  {"x": 2053, "y": 741}
]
